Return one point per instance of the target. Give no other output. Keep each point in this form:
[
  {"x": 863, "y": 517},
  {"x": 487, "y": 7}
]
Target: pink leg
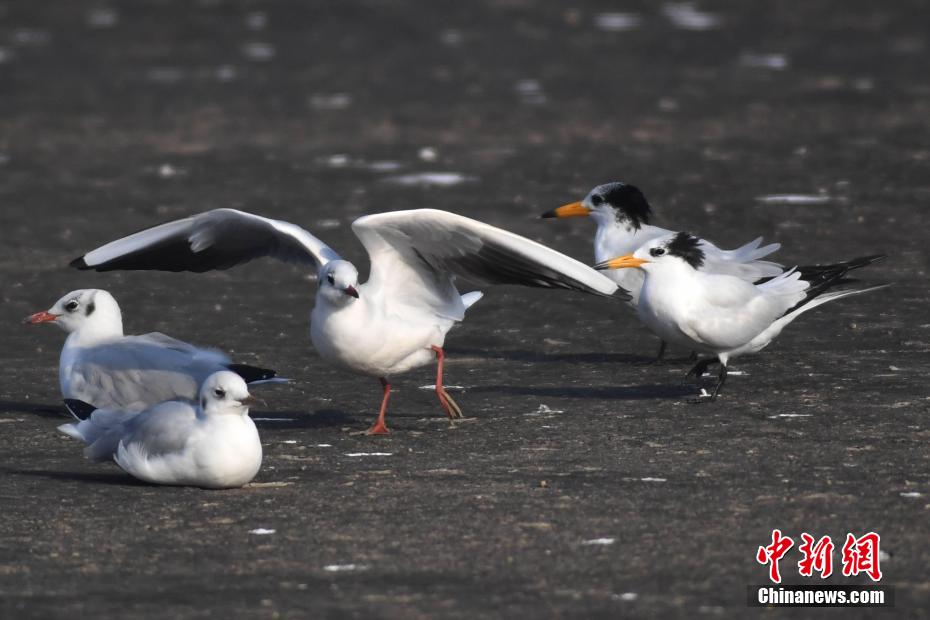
[
  {"x": 379, "y": 427},
  {"x": 451, "y": 408}
]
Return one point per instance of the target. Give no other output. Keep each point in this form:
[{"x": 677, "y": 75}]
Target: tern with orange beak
[
  {"x": 212, "y": 443},
  {"x": 623, "y": 215},
  {"x": 102, "y": 366},
  {"x": 723, "y": 315},
  {"x": 399, "y": 318}
]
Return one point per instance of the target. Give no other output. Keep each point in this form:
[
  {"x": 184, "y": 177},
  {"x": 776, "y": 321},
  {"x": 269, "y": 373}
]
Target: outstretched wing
[
  {"x": 217, "y": 239},
  {"x": 415, "y": 255}
]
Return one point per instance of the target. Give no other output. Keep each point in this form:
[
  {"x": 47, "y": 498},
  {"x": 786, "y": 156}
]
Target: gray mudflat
[{"x": 111, "y": 122}]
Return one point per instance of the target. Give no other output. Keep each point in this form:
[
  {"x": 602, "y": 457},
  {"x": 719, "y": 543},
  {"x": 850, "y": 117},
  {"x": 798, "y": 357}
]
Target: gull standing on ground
[
  {"x": 395, "y": 321},
  {"x": 101, "y": 366},
  {"x": 213, "y": 444},
  {"x": 622, "y": 215},
  {"x": 718, "y": 314}
]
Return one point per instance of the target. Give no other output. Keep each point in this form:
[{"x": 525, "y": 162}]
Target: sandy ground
[{"x": 115, "y": 116}]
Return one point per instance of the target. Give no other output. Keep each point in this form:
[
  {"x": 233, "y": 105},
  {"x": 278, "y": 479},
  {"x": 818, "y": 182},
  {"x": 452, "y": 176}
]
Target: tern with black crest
[
  {"x": 399, "y": 318},
  {"x": 722, "y": 315},
  {"x": 623, "y": 217}
]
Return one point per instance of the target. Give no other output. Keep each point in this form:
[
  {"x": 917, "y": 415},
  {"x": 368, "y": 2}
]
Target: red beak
[
  {"x": 350, "y": 290},
  {"x": 40, "y": 317}
]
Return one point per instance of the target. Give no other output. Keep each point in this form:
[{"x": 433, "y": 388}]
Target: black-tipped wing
[
  {"x": 217, "y": 239},
  {"x": 415, "y": 255},
  {"x": 251, "y": 374},
  {"x": 79, "y": 409}
]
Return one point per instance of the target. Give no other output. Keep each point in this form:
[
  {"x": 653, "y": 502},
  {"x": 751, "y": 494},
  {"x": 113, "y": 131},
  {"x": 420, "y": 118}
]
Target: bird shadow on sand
[
  {"x": 636, "y": 392},
  {"x": 44, "y": 410},
  {"x": 521, "y": 355},
  {"x": 116, "y": 478}
]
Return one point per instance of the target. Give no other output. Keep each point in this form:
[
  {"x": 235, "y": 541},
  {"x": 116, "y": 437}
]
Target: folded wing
[{"x": 217, "y": 239}]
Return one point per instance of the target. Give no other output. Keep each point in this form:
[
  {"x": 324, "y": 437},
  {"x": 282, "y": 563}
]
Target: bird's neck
[
  {"x": 96, "y": 332},
  {"x": 614, "y": 239}
]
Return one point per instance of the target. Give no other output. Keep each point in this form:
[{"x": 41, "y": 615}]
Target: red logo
[
  {"x": 860, "y": 555},
  {"x": 773, "y": 553},
  {"x": 817, "y": 557}
]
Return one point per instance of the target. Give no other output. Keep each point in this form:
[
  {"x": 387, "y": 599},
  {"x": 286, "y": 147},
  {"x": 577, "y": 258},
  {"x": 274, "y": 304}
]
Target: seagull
[
  {"x": 102, "y": 366},
  {"x": 622, "y": 215},
  {"x": 723, "y": 315},
  {"x": 213, "y": 444},
  {"x": 399, "y": 318}
]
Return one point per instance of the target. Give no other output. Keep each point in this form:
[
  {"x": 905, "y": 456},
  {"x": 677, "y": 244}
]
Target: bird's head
[
  {"x": 90, "y": 310},
  {"x": 675, "y": 251},
  {"x": 338, "y": 282},
  {"x": 610, "y": 204},
  {"x": 225, "y": 392}
]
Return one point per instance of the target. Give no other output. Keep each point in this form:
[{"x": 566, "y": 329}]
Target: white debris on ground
[
  {"x": 339, "y": 568},
  {"x": 544, "y": 410},
  {"x": 648, "y": 479},
  {"x": 330, "y": 101},
  {"x": 686, "y": 16},
  {"x": 794, "y": 199},
  {"x": 259, "y": 51},
  {"x": 775, "y": 62},
  {"x": 617, "y": 22},
  {"x": 600, "y": 541},
  {"x": 262, "y": 531},
  {"x": 426, "y": 179},
  {"x": 355, "y": 454}
]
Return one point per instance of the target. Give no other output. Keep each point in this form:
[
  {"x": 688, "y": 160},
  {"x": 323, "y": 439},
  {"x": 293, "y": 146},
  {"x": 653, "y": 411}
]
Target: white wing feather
[{"x": 415, "y": 256}]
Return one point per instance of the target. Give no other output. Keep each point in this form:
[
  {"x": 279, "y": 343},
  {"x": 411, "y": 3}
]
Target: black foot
[{"x": 699, "y": 369}]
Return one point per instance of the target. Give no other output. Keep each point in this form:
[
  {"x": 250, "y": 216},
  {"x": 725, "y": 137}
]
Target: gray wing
[
  {"x": 416, "y": 254},
  {"x": 163, "y": 429},
  {"x": 217, "y": 239},
  {"x": 139, "y": 371}
]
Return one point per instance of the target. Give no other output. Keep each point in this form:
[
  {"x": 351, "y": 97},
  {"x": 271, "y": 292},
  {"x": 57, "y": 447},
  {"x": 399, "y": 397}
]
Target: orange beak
[
  {"x": 572, "y": 209},
  {"x": 622, "y": 262},
  {"x": 41, "y": 317}
]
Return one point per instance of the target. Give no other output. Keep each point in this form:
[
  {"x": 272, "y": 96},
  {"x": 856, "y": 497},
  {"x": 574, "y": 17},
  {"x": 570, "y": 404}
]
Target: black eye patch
[{"x": 90, "y": 309}]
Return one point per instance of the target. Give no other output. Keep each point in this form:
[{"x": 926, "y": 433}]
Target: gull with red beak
[
  {"x": 102, "y": 366},
  {"x": 623, "y": 216},
  {"x": 211, "y": 444},
  {"x": 399, "y": 318},
  {"x": 722, "y": 315}
]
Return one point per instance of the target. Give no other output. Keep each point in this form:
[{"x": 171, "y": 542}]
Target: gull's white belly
[
  {"x": 375, "y": 343},
  {"x": 220, "y": 452}
]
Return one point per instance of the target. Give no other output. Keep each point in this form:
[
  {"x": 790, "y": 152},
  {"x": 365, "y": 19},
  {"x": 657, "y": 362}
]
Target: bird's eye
[
  {"x": 597, "y": 200},
  {"x": 72, "y": 305},
  {"x": 219, "y": 392},
  {"x": 331, "y": 279},
  {"x": 657, "y": 251}
]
